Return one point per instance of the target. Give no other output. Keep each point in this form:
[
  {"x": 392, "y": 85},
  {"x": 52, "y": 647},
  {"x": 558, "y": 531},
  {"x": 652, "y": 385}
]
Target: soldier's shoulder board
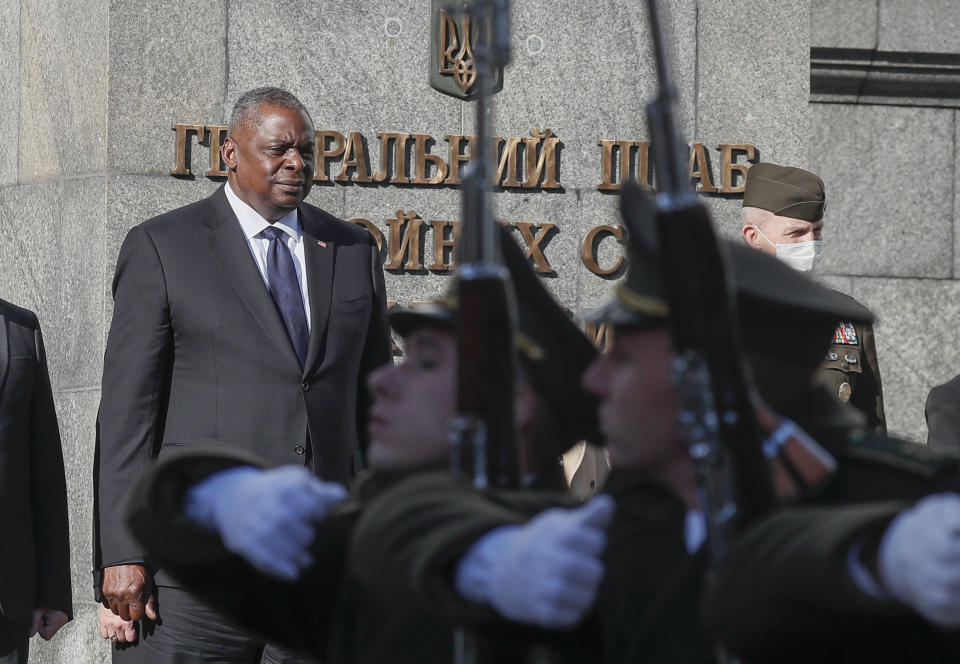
[{"x": 901, "y": 454}]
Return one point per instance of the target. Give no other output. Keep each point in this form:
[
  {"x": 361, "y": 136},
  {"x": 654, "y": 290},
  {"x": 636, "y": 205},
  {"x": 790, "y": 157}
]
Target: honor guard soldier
[
  {"x": 434, "y": 540},
  {"x": 269, "y": 547},
  {"x": 783, "y": 216}
]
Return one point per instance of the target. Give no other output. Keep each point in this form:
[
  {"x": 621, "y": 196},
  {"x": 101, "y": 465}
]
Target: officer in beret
[
  {"x": 238, "y": 534},
  {"x": 783, "y": 216}
]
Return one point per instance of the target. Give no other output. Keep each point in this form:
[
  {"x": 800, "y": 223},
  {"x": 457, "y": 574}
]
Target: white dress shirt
[{"x": 252, "y": 224}]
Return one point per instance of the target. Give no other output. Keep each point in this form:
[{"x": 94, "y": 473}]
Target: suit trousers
[
  {"x": 190, "y": 632},
  {"x": 14, "y": 644}
]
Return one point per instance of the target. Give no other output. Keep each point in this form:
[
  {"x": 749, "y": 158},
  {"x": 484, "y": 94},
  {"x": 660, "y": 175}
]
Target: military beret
[
  {"x": 552, "y": 348},
  {"x": 780, "y": 310},
  {"x": 785, "y": 191}
]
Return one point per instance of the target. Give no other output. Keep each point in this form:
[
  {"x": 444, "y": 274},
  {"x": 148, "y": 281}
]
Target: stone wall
[
  {"x": 89, "y": 93},
  {"x": 885, "y": 89}
]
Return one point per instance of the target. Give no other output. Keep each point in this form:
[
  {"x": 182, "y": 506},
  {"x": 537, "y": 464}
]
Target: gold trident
[{"x": 464, "y": 66}]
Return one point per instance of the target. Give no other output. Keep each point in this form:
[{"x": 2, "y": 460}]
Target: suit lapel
[
  {"x": 230, "y": 249},
  {"x": 4, "y": 352},
  {"x": 320, "y": 261}
]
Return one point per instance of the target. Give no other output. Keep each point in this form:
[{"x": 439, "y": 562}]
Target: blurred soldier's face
[
  {"x": 271, "y": 164},
  {"x": 637, "y": 400},
  {"x": 781, "y": 230},
  {"x": 413, "y": 403}
]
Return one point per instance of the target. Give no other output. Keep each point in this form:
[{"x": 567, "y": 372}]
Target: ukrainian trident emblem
[{"x": 453, "y": 66}]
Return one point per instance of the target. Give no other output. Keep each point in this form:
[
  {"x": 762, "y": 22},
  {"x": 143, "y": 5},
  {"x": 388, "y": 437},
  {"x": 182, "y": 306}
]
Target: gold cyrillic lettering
[
  {"x": 444, "y": 247},
  {"x": 533, "y": 243},
  {"x": 591, "y": 241},
  {"x": 354, "y": 157},
  {"x": 545, "y": 160},
  {"x": 214, "y": 139},
  {"x": 508, "y": 161},
  {"x": 399, "y": 139},
  {"x": 455, "y": 159},
  {"x": 405, "y": 234},
  {"x": 625, "y": 150},
  {"x": 599, "y": 334},
  {"x": 323, "y": 154},
  {"x": 420, "y": 163},
  {"x": 728, "y": 166},
  {"x": 700, "y": 169},
  {"x": 182, "y": 146},
  {"x": 370, "y": 226}
]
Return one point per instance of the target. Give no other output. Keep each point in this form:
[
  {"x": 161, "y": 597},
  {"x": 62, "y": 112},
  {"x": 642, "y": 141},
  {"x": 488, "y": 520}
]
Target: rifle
[
  {"x": 482, "y": 436},
  {"x": 715, "y": 392}
]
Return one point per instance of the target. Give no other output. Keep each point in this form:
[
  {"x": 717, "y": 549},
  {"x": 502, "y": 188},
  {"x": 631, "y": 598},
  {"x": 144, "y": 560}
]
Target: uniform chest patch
[{"x": 845, "y": 335}]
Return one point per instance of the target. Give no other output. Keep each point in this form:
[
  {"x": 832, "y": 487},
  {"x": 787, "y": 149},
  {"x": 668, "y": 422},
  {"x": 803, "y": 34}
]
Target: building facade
[{"x": 95, "y": 95}]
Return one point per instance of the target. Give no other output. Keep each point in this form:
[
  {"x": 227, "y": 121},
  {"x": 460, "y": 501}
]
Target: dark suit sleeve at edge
[
  {"x": 942, "y": 413},
  {"x": 49, "y": 495},
  {"x": 377, "y": 348},
  {"x": 133, "y": 394}
]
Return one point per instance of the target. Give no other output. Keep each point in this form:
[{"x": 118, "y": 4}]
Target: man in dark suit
[
  {"x": 247, "y": 319},
  {"x": 35, "y": 592}
]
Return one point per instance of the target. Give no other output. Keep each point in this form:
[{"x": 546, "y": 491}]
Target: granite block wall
[{"x": 883, "y": 138}]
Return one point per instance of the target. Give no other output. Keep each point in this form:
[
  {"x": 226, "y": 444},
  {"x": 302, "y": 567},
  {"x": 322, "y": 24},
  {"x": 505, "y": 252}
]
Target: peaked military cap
[
  {"x": 553, "y": 350},
  {"x": 780, "y": 309},
  {"x": 785, "y": 191}
]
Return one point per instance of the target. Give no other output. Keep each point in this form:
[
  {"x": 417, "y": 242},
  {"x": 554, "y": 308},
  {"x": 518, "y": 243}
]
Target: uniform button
[
  {"x": 298, "y": 449},
  {"x": 832, "y": 357},
  {"x": 305, "y": 385}
]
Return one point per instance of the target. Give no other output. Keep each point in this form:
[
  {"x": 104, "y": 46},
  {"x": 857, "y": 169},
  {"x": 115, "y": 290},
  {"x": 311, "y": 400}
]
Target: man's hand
[
  {"x": 546, "y": 572},
  {"x": 46, "y": 622},
  {"x": 115, "y": 628},
  {"x": 128, "y": 592},
  {"x": 919, "y": 558},
  {"x": 265, "y": 516}
]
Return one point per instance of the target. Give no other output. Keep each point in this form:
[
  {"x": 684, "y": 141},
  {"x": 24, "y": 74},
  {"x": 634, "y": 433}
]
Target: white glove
[
  {"x": 265, "y": 516},
  {"x": 545, "y": 572},
  {"x": 919, "y": 558}
]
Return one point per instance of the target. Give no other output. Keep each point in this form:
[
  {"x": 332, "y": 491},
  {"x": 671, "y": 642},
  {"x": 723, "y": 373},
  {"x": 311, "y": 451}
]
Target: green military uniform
[
  {"x": 411, "y": 537},
  {"x": 850, "y": 370},
  {"x": 647, "y": 609},
  {"x": 326, "y": 613},
  {"x": 784, "y": 594}
]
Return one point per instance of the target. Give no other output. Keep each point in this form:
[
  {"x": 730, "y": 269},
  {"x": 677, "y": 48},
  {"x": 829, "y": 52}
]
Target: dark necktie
[{"x": 285, "y": 289}]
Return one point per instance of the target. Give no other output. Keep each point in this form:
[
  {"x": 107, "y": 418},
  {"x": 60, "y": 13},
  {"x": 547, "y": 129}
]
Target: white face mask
[{"x": 802, "y": 256}]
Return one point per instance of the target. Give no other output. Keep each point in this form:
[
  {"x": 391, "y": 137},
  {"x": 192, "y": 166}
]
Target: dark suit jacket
[
  {"x": 942, "y": 411},
  {"x": 34, "y": 544},
  {"x": 198, "y": 354}
]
